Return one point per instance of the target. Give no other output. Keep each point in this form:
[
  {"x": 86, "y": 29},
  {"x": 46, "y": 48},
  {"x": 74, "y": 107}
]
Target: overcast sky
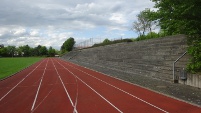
[{"x": 51, "y": 22}]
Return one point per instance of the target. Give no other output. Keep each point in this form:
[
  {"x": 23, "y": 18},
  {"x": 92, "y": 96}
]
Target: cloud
[
  {"x": 118, "y": 18},
  {"x": 34, "y": 32},
  {"x": 39, "y": 22},
  {"x": 18, "y": 31}
]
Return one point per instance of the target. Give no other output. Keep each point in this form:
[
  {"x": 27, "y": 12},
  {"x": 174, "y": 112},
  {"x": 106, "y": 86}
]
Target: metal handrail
[{"x": 174, "y": 65}]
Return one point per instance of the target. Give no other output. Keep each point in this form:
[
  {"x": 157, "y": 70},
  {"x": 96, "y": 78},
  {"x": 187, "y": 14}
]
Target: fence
[{"x": 90, "y": 42}]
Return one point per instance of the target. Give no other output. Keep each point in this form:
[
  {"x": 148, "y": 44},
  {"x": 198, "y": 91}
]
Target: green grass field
[{"x": 9, "y": 66}]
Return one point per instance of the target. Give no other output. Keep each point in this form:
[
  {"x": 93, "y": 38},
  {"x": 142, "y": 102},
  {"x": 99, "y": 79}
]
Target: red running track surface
[{"x": 56, "y": 86}]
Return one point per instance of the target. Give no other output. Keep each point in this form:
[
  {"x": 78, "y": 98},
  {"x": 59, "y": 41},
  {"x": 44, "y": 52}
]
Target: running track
[{"x": 56, "y": 86}]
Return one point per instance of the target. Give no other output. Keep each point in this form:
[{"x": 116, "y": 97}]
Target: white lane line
[
  {"x": 20, "y": 81},
  {"x": 34, "y": 102},
  {"x": 122, "y": 90},
  {"x": 45, "y": 96},
  {"x": 41, "y": 101},
  {"x": 93, "y": 90},
  {"x": 74, "y": 110},
  {"x": 77, "y": 92},
  {"x": 66, "y": 92},
  {"x": 76, "y": 95},
  {"x": 100, "y": 95}
]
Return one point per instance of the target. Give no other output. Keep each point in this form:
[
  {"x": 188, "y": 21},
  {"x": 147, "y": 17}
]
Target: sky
[{"x": 51, "y": 22}]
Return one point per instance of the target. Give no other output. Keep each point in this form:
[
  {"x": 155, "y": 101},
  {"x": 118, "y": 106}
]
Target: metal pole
[
  {"x": 174, "y": 72},
  {"x": 174, "y": 80}
]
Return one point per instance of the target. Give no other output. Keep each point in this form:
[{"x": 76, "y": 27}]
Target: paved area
[{"x": 182, "y": 92}]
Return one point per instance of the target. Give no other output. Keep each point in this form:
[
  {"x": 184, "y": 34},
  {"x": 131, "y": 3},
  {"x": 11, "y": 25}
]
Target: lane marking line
[
  {"x": 20, "y": 81},
  {"x": 74, "y": 107},
  {"x": 100, "y": 95},
  {"x": 53, "y": 85},
  {"x": 41, "y": 101},
  {"x": 77, "y": 91},
  {"x": 122, "y": 90},
  {"x": 93, "y": 90},
  {"x": 36, "y": 96}
]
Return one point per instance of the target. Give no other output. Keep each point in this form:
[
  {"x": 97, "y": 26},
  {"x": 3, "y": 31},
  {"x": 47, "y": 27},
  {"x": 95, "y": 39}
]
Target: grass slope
[{"x": 9, "y": 66}]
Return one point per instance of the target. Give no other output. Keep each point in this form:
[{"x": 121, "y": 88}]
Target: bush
[
  {"x": 149, "y": 36},
  {"x": 195, "y": 51},
  {"x": 108, "y": 42}
]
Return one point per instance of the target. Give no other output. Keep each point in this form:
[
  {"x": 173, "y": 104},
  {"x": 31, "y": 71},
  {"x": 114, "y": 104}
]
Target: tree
[
  {"x": 43, "y": 51},
  {"x": 19, "y": 51},
  {"x": 26, "y": 50},
  {"x": 51, "y": 52},
  {"x": 34, "y": 51},
  {"x": 106, "y": 41},
  {"x": 151, "y": 23},
  {"x": 3, "y": 52},
  {"x": 182, "y": 17},
  {"x": 137, "y": 28},
  {"x": 179, "y": 16},
  {"x": 67, "y": 45},
  {"x": 1, "y": 46},
  {"x": 144, "y": 22},
  {"x": 37, "y": 50},
  {"x": 11, "y": 50}
]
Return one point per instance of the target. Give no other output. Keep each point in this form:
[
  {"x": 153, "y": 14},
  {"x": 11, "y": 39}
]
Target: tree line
[{"x": 26, "y": 51}]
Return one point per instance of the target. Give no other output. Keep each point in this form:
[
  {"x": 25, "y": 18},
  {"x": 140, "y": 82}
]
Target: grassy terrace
[{"x": 9, "y": 66}]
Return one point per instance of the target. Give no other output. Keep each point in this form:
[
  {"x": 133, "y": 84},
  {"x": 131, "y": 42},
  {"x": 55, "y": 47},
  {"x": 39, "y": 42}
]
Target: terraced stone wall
[{"x": 152, "y": 58}]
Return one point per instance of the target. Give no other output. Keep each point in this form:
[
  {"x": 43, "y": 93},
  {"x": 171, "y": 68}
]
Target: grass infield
[{"x": 9, "y": 66}]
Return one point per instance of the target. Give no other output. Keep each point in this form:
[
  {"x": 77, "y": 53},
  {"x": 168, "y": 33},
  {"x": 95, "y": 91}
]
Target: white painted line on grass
[
  {"x": 121, "y": 90},
  {"x": 20, "y": 82},
  {"x": 34, "y": 102},
  {"x": 93, "y": 90}
]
